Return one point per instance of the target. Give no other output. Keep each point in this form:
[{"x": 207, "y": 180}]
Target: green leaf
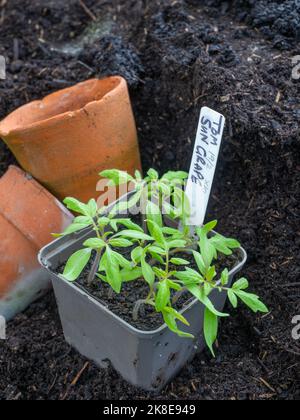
[
  {"x": 92, "y": 208},
  {"x": 177, "y": 315},
  {"x": 220, "y": 247},
  {"x": 135, "y": 199},
  {"x": 165, "y": 190},
  {"x": 120, "y": 243},
  {"x": 224, "y": 245},
  {"x": 76, "y": 206},
  {"x": 123, "y": 206},
  {"x": 113, "y": 271},
  {"x": 136, "y": 254},
  {"x": 171, "y": 231},
  {"x": 241, "y": 284},
  {"x": 148, "y": 273},
  {"x": 103, "y": 222},
  {"x": 204, "y": 230},
  {"x": 232, "y": 243},
  {"x": 175, "y": 175},
  {"x": 174, "y": 285},
  {"x": 153, "y": 174},
  {"x": 107, "y": 234},
  {"x": 162, "y": 296},
  {"x": 76, "y": 264},
  {"x": 157, "y": 257},
  {"x": 170, "y": 210},
  {"x": 133, "y": 234},
  {"x": 119, "y": 208},
  {"x": 252, "y": 301},
  {"x": 199, "y": 293},
  {"x": 207, "y": 251},
  {"x": 200, "y": 262},
  {"x": 179, "y": 197},
  {"x": 225, "y": 277},
  {"x": 128, "y": 224},
  {"x": 170, "y": 316},
  {"x": 74, "y": 227},
  {"x": 157, "y": 250},
  {"x": 131, "y": 275},
  {"x": 194, "y": 273},
  {"x": 116, "y": 177},
  {"x": 83, "y": 220},
  {"x": 176, "y": 244},
  {"x": 179, "y": 261},
  {"x": 94, "y": 243},
  {"x": 123, "y": 262},
  {"x": 210, "y": 329},
  {"x": 153, "y": 213},
  {"x": 114, "y": 224},
  {"x": 233, "y": 299},
  {"x": 186, "y": 207},
  {"x": 207, "y": 288},
  {"x": 210, "y": 226},
  {"x": 156, "y": 233},
  {"x": 101, "y": 277},
  {"x": 190, "y": 277},
  {"x": 138, "y": 176},
  {"x": 103, "y": 263},
  {"x": 211, "y": 273},
  {"x": 159, "y": 272},
  {"x": 181, "y": 202}
]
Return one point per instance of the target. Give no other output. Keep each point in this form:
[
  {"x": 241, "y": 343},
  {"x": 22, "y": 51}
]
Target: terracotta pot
[
  {"x": 28, "y": 216},
  {"x": 67, "y": 138}
]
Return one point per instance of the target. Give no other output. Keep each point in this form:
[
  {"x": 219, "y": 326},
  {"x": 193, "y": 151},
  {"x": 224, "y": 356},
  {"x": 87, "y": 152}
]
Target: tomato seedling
[{"x": 170, "y": 260}]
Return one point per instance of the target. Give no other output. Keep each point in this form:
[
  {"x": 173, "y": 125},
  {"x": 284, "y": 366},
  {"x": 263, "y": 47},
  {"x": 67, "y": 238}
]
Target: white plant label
[
  {"x": 204, "y": 162},
  {"x": 2, "y": 68},
  {"x": 2, "y": 328}
]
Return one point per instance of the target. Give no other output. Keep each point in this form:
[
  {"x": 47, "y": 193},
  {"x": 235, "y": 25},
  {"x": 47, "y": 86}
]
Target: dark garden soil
[{"x": 234, "y": 56}]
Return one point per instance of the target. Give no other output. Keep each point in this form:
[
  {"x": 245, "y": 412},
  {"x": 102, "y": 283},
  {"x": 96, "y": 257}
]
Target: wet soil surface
[{"x": 234, "y": 56}]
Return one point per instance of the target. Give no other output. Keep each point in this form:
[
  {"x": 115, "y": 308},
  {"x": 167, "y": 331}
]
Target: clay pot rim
[
  {"x": 121, "y": 83},
  {"x": 35, "y": 186}
]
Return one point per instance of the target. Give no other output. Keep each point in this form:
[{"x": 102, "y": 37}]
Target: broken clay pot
[
  {"x": 67, "y": 138},
  {"x": 28, "y": 216}
]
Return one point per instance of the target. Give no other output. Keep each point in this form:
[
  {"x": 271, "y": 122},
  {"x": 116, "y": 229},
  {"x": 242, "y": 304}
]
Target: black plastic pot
[{"x": 145, "y": 359}]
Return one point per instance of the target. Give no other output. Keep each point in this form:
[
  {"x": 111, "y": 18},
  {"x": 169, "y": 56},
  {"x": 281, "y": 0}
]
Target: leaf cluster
[{"x": 170, "y": 260}]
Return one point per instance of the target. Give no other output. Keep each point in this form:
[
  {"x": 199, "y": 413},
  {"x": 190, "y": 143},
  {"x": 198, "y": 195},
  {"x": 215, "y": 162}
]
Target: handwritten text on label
[{"x": 204, "y": 161}]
